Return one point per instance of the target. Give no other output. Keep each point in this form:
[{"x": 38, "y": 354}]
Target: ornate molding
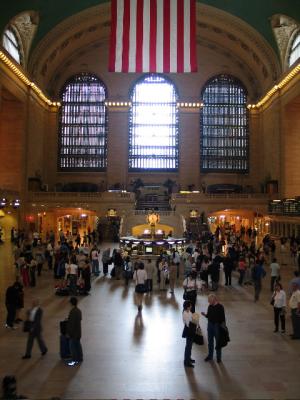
[
  {"x": 78, "y": 25},
  {"x": 243, "y": 34},
  {"x": 284, "y": 29},
  {"x": 25, "y": 24}
]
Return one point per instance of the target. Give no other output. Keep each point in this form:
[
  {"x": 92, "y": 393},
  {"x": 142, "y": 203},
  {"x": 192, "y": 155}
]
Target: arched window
[
  {"x": 295, "y": 50},
  {"x": 153, "y": 125},
  {"x": 224, "y": 126},
  {"x": 83, "y": 125},
  {"x": 11, "y": 44}
]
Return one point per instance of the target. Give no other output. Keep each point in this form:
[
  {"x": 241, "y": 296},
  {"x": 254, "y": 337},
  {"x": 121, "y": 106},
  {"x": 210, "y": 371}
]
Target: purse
[
  {"x": 140, "y": 288},
  {"x": 198, "y": 338},
  {"x": 27, "y": 326}
]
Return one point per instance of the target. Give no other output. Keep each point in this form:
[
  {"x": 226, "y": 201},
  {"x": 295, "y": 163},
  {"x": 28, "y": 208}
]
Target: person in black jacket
[
  {"x": 11, "y": 302},
  {"x": 35, "y": 315},
  {"x": 74, "y": 331},
  {"x": 228, "y": 268},
  {"x": 215, "y": 316}
]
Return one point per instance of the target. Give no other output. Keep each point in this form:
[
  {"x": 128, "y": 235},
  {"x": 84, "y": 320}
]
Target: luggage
[
  {"x": 63, "y": 327},
  {"x": 64, "y": 349},
  {"x": 62, "y": 291}
]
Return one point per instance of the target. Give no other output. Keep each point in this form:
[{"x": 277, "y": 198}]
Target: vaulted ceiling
[{"x": 256, "y": 13}]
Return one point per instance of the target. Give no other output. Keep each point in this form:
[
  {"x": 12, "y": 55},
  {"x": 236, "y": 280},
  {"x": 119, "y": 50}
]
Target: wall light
[{"x": 25, "y": 80}]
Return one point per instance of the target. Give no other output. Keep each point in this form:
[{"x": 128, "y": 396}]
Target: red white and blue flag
[{"x": 153, "y": 36}]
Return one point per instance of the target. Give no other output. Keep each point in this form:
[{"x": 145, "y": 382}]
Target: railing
[
  {"x": 146, "y": 212},
  {"x": 79, "y": 195},
  {"x": 223, "y": 196}
]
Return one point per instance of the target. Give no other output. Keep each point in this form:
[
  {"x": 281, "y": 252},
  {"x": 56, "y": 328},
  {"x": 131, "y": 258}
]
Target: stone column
[
  {"x": 189, "y": 147},
  {"x": 117, "y": 146}
]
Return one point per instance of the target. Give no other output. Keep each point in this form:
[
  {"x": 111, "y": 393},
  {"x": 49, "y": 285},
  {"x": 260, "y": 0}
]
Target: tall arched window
[
  {"x": 11, "y": 44},
  {"x": 295, "y": 50},
  {"x": 153, "y": 125},
  {"x": 83, "y": 125},
  {"x": 224, "y": 126}
]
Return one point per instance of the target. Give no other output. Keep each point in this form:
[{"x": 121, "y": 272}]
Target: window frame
[
  {"x": 295, "y": 36},
  {"x": 176, "y": 127},
  {"x": 17, "y": 46},
  {"x": 60, "y": 136},
  {"x": 246, "y": 135}
]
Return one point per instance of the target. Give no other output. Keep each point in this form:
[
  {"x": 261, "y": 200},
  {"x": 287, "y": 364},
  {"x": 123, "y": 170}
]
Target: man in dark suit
[
  {"x": 11, "y": 302},
  {"x": 74, "y": 331},
  {"x": 35, "y": 317}
]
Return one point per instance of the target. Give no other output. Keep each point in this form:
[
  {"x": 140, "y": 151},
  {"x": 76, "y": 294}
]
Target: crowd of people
[{"x": 202, "y": 266}]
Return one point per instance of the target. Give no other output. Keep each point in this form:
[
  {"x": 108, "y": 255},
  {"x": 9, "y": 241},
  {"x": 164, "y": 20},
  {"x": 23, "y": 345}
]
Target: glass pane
[
  {"x": 153, "y": 125},
  {"x": 224, "y": 126},
  {"x": 10, "y": 43},
  {"x": 83, "y": 125},
  {"x": 295, "y": 51}
]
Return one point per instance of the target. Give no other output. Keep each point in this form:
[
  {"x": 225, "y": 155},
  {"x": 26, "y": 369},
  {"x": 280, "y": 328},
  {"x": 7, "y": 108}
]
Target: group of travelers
[{"x": 201, "y": 266}]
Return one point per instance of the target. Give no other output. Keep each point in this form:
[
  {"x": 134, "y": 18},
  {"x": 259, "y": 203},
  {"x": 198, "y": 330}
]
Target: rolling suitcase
[{"x": 64, "y": 347}]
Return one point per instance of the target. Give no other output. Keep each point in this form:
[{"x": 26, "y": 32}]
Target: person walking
[
  {"x": 294, "y": 304},
  {"x": 258, "y": 273},
  {"x": 215, "y": 316},
  {"x": 105, "y": 260},
  {"x": 11, "y": 302},
  {"x": 191, "y": 286},
  {"x": 72, "y": 274},
  {"x": 20, "y": 301},
  {"x": 35, "y": 315},
  {"x": 275, "y": 268},
  {"x": 150, "y": 268},
  {"x": 74, "y": 332},
  {"x": 228, "y": 268},
  {"x": 188, "y": 333},
  {"x": 140, "y": 277},
  {"x": 95, "y": 261},
  {"x": 172, "y": 276},
  {"x": 242, "y": 269},
  {"x": 279, "y": 305}
]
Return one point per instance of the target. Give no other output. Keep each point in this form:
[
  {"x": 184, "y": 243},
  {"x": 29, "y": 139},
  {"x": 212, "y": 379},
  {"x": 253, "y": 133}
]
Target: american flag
[{"x": 153, "y": 36}]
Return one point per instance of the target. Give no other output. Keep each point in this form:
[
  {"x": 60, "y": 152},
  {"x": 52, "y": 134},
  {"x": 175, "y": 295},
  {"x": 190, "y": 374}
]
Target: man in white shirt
[
  {"x": 275, "y": 268},
  {"x": 294, "y": 304}
]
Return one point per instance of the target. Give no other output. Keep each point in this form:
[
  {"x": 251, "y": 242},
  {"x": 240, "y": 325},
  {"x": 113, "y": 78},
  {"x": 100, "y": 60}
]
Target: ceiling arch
[{"x": 64, "y": 48}]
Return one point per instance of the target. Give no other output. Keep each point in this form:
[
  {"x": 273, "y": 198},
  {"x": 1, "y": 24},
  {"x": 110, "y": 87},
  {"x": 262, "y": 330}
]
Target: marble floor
[{"x": 132, "y": 357}]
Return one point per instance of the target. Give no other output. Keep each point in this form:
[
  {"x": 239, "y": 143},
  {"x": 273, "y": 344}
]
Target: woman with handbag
[
  {"x": 279, "y": 305},
  {"x": 140, "y": 277},
  {"x": 188, "y": 333}
]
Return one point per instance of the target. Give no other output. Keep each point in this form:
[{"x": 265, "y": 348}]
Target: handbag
[
  {"x": 27, "y": 326},
  {"x": 198, "y": 339},
  {"x": 140, "y": 288},
  {"x": 185, "y": 332}
]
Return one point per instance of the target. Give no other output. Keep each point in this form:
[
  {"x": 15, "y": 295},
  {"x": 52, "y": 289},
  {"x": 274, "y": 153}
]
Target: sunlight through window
[{"x": 153, "y": 129}]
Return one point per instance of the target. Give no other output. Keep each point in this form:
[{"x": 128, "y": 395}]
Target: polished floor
[{"x": 132, "y": 357}]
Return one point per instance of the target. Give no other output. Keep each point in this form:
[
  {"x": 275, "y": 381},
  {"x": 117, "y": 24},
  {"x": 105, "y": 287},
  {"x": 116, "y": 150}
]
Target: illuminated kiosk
[{"x": 152, "y": 242}]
